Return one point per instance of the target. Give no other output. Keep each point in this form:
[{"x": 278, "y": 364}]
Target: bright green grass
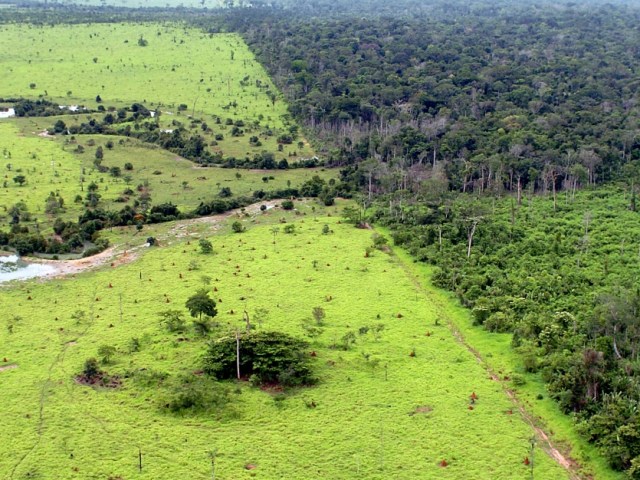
[
  {"x": 361, "y": 427},
  {"x": 32, "y": 156},
  {"x": 207, "y": 73},
  {"x": 179, "y": 66}
]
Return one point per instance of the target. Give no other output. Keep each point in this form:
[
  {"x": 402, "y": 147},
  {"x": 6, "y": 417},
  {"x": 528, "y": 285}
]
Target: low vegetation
[{"x": 380, "y": 380}]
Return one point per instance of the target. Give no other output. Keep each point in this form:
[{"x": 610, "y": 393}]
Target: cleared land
[
  {"x": 74, "y": 64},
  {"x": 55, "y": 166},
  {"x": 393, "y": 405},
  {"x": 216, "y": 74},
  {"x": 179, "y": 73}
]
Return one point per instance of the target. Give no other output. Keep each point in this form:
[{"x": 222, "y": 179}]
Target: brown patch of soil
[
  {"x": 421, "y": 409},
  {"x": 8, "y": 367},
  {"x": 102, "y": 380}
]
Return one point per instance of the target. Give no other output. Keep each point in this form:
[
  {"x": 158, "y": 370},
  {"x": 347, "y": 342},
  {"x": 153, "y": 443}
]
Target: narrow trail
[{"x": 571, "y": 467}]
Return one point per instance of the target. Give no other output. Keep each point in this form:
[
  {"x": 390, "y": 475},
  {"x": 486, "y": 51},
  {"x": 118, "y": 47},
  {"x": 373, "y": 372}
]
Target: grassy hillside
[
  {"x": 55, "y": 166},
  {"x": 394, "y": 404},
  {"x": 202, "y": 82}
]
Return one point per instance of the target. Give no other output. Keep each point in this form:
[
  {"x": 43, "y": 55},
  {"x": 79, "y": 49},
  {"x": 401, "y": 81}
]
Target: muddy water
[{"x": 13, "y": 268}]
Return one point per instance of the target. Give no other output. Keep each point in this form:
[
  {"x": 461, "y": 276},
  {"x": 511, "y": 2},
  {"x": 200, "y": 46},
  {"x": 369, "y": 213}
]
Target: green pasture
[
  {"x": 52, "y": 165},
  {"x": 181, "y": 72},
  {"x": 395, "y": 406},
  {"x": 72, "y": 65}
]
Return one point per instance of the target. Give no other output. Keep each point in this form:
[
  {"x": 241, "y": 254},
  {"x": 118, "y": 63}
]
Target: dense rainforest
[
  {"x": 492, "y": 99},
  {"x": 499, "y": 142}
]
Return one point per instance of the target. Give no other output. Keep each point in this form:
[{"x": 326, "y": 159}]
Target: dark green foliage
[
  {"x": 200, "y": 304},
  {"x": 195, "y": 394},
  {"x": 164, "y": 212},
  {"x": 225, "y": 192},
  {"x": 91, "y": 369},
  {"x": 563, "y": 279},
  {"x": 20, "y": 179},
  {"x": 287, "y": 205},
  {"x": 34, "y": 108},
  {"x": 267, "y": 357},
  {"x": 237, "y": 227},
  {"x": 205, "y": 246}
]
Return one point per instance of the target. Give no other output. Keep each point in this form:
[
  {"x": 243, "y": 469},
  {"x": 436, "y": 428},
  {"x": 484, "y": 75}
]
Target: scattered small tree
[
  {"x": 106, "y": 353},
  {"x": 173, "y": 321},
  {"x": 319, "y": 315},
  {"x": 20, "y": 179},
  {"x": 237, "y": 227},
  {"x": 206, "y": 246},
  {"x": 200, "y": 304},
  {"x": 91, "y": 370}
]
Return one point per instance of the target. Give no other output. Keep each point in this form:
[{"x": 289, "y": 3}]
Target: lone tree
[
  {"x": 20, "y": 179},
  {"x": 205, "y": 246},
  {"x": 200, "y": 303}
]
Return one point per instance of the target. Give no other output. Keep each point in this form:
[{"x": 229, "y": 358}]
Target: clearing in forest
[{"x": 398, "y": 396}]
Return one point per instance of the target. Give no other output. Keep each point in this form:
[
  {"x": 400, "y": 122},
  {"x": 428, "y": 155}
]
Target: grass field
[
  {"x": 203, "y": 83},
  {"x": 53, "y": 166},
  {"x": 216, "y": 74},
  {"x": 380, "y": 412},
  {"x": 501, "y": 358},
  {"x": 74, "y": 64}
]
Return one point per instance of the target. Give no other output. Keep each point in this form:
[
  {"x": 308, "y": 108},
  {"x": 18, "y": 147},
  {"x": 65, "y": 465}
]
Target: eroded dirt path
[
  {"x": 119, "y": 255},
  {"x": 560, "y": 455}
]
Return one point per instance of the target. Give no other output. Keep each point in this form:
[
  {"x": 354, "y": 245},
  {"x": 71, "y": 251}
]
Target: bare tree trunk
[
  {"x": 245, "y": 314},
  {"x": 470, "y": 237},
  {"x": 238, "y": 354}
]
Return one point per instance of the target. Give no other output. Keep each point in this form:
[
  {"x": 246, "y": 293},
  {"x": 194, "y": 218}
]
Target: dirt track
[{"x": 118, "y": 255}]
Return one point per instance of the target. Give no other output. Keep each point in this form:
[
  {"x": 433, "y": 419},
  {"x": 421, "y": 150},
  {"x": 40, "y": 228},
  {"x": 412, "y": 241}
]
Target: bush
[
  {"x": 190, "y": 393},
  {"x": 287, "y": 205},
  {"x": 266, "y": 357},
  {"x": 173, "y": 321},
  {"x": 205, "y": 246},
  {"x": 237, "y": 227}
]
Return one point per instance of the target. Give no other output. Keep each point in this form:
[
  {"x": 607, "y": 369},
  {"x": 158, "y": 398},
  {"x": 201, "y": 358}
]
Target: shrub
[
  {"x": 205, "y": 246},
  {"x": 287, "y": 204},
  {"x": 173, "y": 321},
  {"x": 266, "y": 357},
  {"x": 190, "y": 393}
]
